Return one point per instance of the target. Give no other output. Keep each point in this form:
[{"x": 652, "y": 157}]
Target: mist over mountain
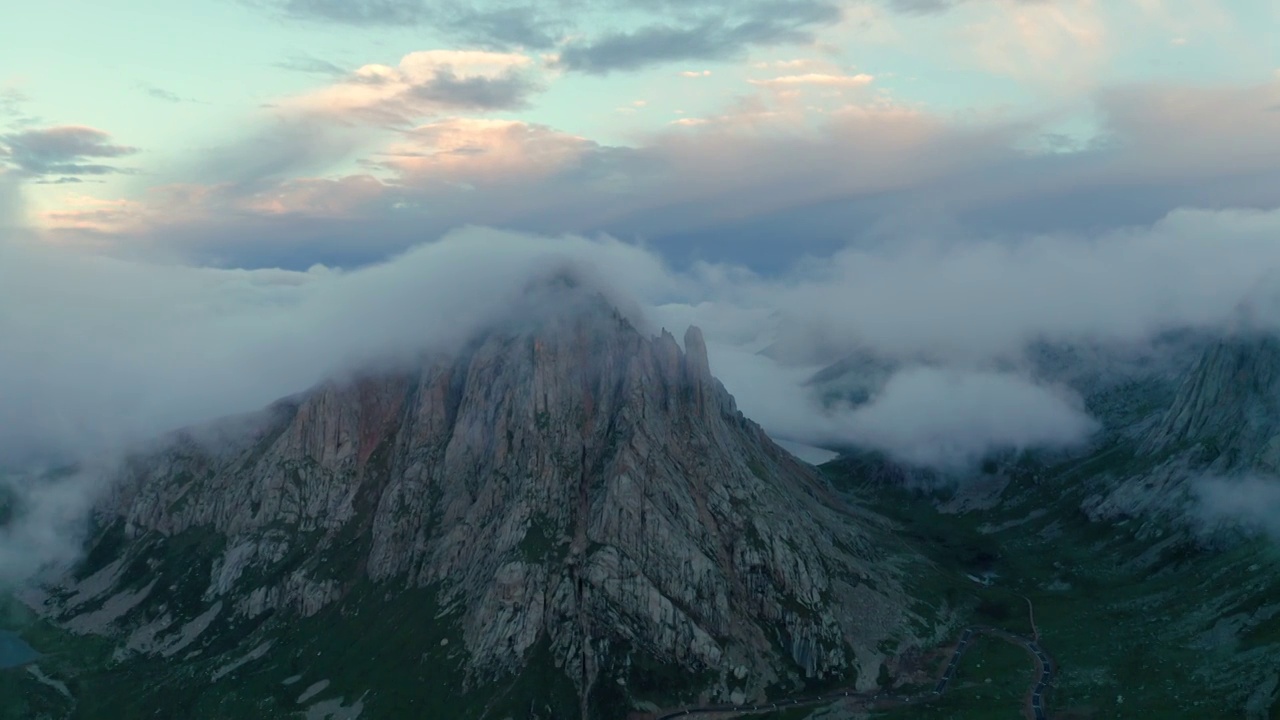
[
  {"x": 563, "y": 488},
  {"x": 103, "y": 352}
]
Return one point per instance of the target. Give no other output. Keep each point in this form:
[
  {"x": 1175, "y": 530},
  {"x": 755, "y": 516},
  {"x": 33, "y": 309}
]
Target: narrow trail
[{"x": 1034, "y": 708}]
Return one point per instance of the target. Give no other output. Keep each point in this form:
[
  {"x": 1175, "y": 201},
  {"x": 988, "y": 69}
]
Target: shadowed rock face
[
  {"x": 1223, "y": 421},
  {"x": 572, "y": 483},
  {"x": 1230, "y": 400}
]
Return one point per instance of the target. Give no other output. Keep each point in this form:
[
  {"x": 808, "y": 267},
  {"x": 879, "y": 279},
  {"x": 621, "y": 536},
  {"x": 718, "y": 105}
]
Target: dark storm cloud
[{"x": 62, "y": 150}]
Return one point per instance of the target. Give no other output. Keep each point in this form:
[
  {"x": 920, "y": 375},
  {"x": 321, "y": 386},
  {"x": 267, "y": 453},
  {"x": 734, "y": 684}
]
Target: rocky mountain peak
[{"x": 566, "y": 488}]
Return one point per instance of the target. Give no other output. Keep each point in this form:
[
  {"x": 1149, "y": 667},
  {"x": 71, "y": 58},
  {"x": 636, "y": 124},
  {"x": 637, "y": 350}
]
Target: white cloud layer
[
  {"x": 100, "y": 352},
  {"x": 1250, "y": 503}
]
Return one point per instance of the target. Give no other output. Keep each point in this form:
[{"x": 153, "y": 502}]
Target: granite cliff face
[
  {"x": 569, "y": 491},
  {"x": 1230, "y": 406},
  {"x": 1223, "y": 421}
]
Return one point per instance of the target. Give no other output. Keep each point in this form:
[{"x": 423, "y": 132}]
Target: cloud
[
  {"x": 1249, "y": 503},
  {"x": 926, "y": 7},
  {"x": 706, "y": 29},
  {"x": 819, "y": 79},
  {"x": 12, "y": 102},
  {"x": 715, "y": 38},
  {"x": 864, "y": 173},
  {"x": 278, "y": 148},
  {"x": 933, "y": 416},
  {"x": 483, "y": 151},
  {"x": 359, "y": 12},
  {"x": 921, "y": 7},
  {"x": 425, "y": 83},
  {"x": 96, "y": 343},
  {"x": 952, "y": 419},
  {"x": 519, "y": 26},
  {"x": 62, "y": 150},
  {"x": 116, "y": 351},
  {"x": 978, "y": 299},
  {"x": 106, "y": 351},
  {"x": 46, "y": 523},
  {"x": 494, "y": 26},
  {"x": 1062, "y": 43},
  {"x": 166, "y": 95},
  {"x": 11, "y": 207},
  {"x": 312, "y": 65}
]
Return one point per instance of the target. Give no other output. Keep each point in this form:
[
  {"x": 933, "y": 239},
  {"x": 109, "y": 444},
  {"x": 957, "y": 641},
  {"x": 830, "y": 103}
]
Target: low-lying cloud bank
[
  {"x": 1248, "y": 503},
  {"x": 101, "y": 352},
  {"x": 950, "y": 419},
  {"x": 46, "y": 521}
]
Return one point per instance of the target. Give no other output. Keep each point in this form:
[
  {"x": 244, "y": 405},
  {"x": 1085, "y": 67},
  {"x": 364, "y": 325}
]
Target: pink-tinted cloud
[
  {"x": 424, "y": 84},
  {"x": 1063, "y": 44},
  {"x": 880, "y": 165},
  {"x": 478, "y": 151},
  {"x": 817, "y": 79}
]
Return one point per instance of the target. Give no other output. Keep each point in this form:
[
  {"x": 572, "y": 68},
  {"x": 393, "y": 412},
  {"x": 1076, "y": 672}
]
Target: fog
[
  {"x": 100, "y": 352},
  {"x": 1248, "y": 503}
]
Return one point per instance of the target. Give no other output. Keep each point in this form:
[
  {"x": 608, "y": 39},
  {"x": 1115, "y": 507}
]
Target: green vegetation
[
  {"x": 1149, "y": 626},
  {"x": 1131, "y": 638},
  {"x": 541, "y": 542}
]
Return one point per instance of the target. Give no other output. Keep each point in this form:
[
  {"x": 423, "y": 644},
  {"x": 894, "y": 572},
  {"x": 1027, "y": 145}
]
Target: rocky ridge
[
  {"x": 570, "y": 484},
  {"x": 1223, "y": 421}
]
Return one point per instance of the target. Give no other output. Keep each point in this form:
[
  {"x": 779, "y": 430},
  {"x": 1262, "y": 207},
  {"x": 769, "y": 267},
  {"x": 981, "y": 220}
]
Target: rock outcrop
[
  {"x": 1230, "y": 406},
  {"x": 1224, "y": 421},
  {"x": 569, "y": 484}
]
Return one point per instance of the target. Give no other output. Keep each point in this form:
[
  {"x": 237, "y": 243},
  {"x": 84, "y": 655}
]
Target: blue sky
[{"x": 703, "y": 128}]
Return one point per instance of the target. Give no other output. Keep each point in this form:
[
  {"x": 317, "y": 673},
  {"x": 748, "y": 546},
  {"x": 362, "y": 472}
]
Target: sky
[
  {"x": 271, "y": 133},
  {"x": 207, "y": 206}
]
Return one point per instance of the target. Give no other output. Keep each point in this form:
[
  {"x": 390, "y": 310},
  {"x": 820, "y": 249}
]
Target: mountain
[
  {"x": 1228, "y": 407},
  {"x": 566, "y": 518},
  {"x": 1223, "y": 421}
]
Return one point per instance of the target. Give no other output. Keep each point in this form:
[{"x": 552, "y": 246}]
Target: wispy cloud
[
  {"x": 62, "y": 150},
  {"x": 818, "y": 79},
  {"x": 311, "y": 65},
  {"x": 426, "y": 83},
  {"x": 500, "y": 26},
  {"x": 166, "y": 95},
  {"x": 719, "y": 37},
  {"x": 1249, "y": 503}
]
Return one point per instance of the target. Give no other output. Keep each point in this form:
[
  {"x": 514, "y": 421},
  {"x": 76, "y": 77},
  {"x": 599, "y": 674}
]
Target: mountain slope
[
  {"x": 568, "y": 501},
  {"x": 1223, "y": 421}
]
